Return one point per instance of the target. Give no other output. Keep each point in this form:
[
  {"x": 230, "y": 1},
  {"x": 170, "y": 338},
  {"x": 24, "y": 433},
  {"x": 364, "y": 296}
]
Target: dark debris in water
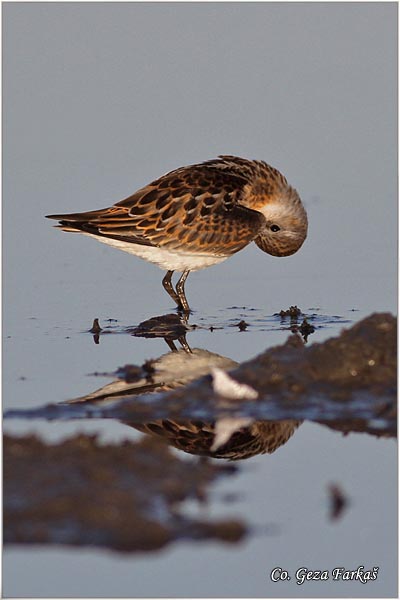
[
  {"x": 125, "y": 497},
  {"x": 95, "y": 327},
  {"x": 174, "y": 327},
  {"x": 293, "y": 312},
  {"x": 306, "y": 329}
]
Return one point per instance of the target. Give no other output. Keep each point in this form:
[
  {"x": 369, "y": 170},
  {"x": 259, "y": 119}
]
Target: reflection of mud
[
  {"x": 348, "y": 383},
  {"x": 123, "y": 497}
]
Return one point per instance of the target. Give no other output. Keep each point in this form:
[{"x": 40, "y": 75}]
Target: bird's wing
[{"x": 196, "y": 207}]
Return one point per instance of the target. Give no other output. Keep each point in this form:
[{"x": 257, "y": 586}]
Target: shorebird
[{"x": 199, "y": 215}]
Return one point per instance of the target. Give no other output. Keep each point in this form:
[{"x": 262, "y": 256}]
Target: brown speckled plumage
[
  {"x": 198, "y": 215},
  {"x": 197, "y": 437}
]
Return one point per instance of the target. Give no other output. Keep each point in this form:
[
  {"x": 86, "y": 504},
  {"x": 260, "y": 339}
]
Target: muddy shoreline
[
  {"x": 348, "y": 382},
  {"x": 128, "y": 496}
]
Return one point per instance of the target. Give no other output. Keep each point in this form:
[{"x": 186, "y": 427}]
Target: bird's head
[{"x": 286, "y": 224}]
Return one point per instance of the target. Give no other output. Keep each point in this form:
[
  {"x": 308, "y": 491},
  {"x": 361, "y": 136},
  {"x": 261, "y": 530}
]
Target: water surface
[{"x": 142, "y": 89}]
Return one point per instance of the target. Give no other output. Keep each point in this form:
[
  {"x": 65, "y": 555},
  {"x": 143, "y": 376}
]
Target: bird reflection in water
[
  {"x": 245, "y": 441},
  {"x": 171, "y": 327},
  {"x": 227, "y": 437}
]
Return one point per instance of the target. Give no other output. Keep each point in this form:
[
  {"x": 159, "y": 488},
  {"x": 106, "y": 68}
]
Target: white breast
[{"x": 166, "y": 259}]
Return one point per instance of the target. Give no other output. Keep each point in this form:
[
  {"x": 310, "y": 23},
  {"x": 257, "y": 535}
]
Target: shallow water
[
  {"x": 283, "y": 497},
  {"x": 325, "y": 122}
]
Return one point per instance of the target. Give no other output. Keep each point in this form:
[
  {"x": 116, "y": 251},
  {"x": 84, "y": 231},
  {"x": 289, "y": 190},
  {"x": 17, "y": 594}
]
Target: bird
[{"x": 199, "y": 215}]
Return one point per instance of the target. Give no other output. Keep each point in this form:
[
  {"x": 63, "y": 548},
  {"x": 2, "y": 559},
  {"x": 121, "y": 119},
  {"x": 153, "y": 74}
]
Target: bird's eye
[{"x": 275, "y": 228}]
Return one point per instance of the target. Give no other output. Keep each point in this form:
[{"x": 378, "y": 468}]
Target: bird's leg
[
  {"x": 170, "y": 288},
  {"x": 180, "y": 290}
]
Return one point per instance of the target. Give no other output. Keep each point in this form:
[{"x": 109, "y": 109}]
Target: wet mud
[
  {"x": 347, "y": 382},
  {"x": 126, "y": 497}
]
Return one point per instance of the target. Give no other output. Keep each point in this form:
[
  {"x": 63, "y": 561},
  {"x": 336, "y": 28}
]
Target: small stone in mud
[
  {"x": 242, "y": 325},
  {"x": 95, "y": 327},
  {"x": 293, "y": 312},
  {"x": 337, "y": 500}
]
